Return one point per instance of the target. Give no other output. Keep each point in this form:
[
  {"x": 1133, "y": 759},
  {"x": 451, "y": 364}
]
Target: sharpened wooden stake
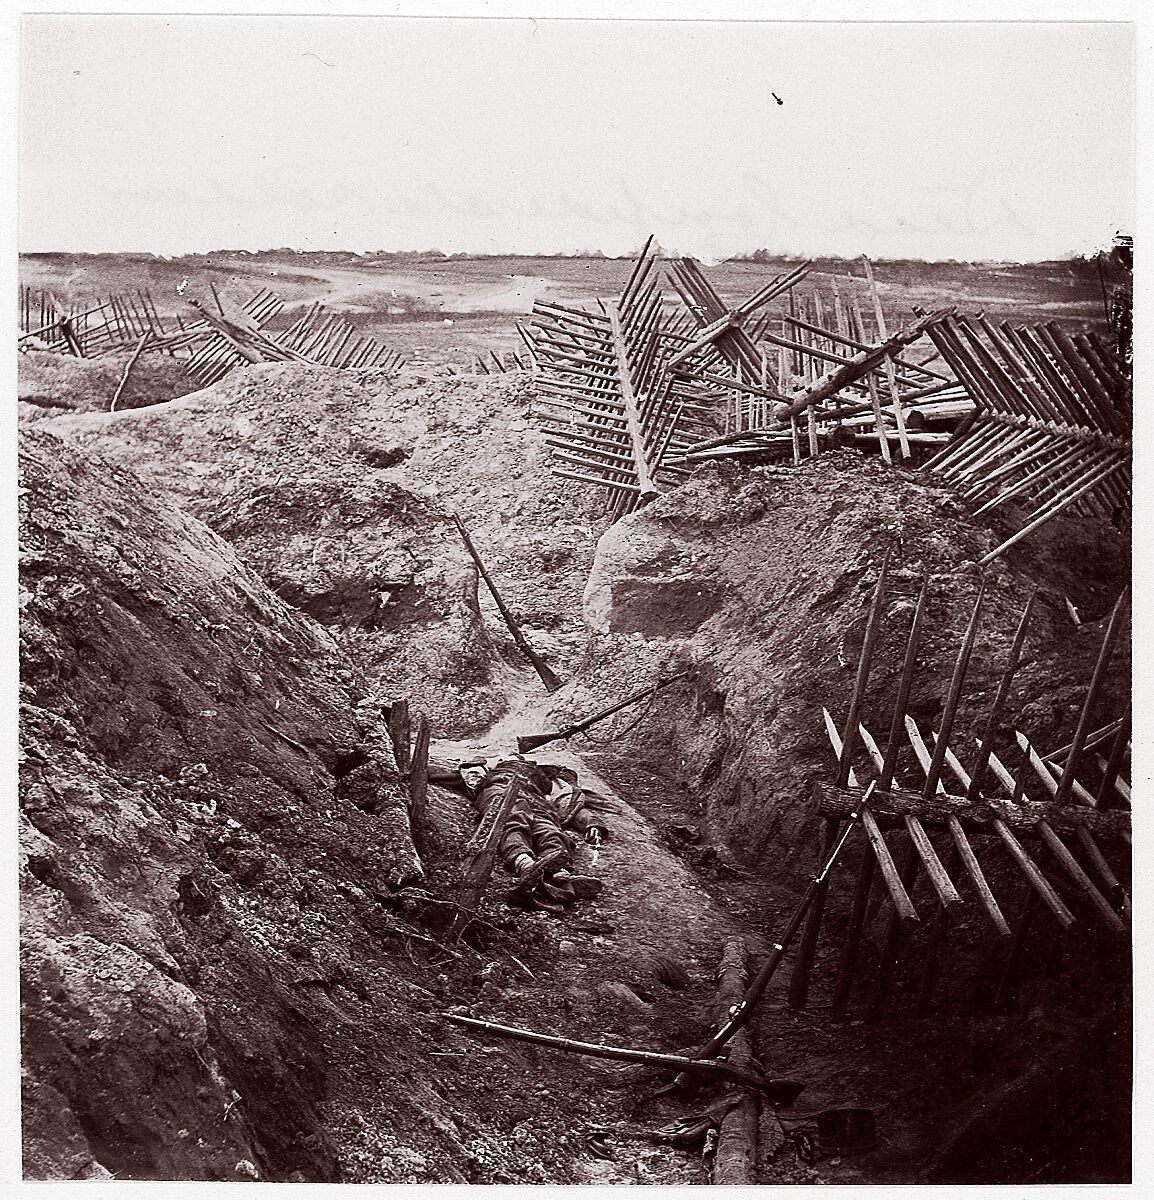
[
  {"x": 1072, "y": 868},
  {"x": 885, "y": 778},
  {"x": 974, "y": 790},
  {"x": 803, "y": 964},
  {"x": 964, "y": 851},
  {"x": 916, "y": 850},
  {"x": 1029, "y": 868},
  {"x": 903, "y": 905},
  {"x": 1074, "y": 758},
  {"x": 1105, "y": 797},
  {"x": 891, "y": 371}
]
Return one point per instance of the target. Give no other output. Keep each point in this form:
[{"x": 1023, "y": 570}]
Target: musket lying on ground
[
  {"x": 551, "y": 682},
  {"x": 532, "y": 740},
  {"x": 740, "y": 1013}
]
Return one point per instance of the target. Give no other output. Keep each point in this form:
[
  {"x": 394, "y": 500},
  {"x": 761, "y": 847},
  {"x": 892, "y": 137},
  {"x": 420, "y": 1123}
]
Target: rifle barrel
[{"x": 533, "y": 740}]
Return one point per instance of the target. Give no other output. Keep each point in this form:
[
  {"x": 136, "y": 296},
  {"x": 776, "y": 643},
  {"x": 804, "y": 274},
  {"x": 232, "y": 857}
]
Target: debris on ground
[{"x": 256, "y": 651}]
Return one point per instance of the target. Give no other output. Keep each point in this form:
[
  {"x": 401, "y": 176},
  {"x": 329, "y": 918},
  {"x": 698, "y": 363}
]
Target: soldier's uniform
[{"x": 547, "y": 817}]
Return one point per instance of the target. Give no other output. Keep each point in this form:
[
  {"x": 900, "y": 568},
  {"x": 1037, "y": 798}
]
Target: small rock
[{"x": 613, "y": 989}]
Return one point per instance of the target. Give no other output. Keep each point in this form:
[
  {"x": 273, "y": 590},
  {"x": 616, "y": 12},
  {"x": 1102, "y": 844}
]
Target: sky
[{"x": 176, "y": 134}]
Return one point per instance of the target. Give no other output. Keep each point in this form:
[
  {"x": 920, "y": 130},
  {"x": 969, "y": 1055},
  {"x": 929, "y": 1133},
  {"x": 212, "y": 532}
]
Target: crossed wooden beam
[
  {"x": 610, "y": 410},
  {"x": 108, "y": 325},
  {"x": 1052, "y": 429},
  {"x": 210, "y": 344},
  {"x": 1069, "y": 809}
]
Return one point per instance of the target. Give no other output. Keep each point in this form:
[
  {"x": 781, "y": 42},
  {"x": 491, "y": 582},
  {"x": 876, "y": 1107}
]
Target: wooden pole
[
  {"x": 1074, "y": 758},
  {"x": 775, "y": 1089},
  {"x": 891, "y": 373},
  {"x": 419, "y": 774},
  {"x": 885, "y": 778},
  {"x": 1105, "y": 797},
  {"x": 933, "y": 771},
  {"x": 1083, "y": 881},
  {"x": 903, "y": 905},
  {"x": 127, "y": 370},
  {"x": 803, "y": 964}
]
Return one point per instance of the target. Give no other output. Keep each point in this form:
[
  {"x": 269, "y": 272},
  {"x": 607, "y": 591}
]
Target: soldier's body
[{"x": 549, "y": 813}]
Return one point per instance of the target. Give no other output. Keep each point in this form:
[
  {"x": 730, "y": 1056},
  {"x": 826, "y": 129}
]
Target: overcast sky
[{"x": 174, "y": 134}]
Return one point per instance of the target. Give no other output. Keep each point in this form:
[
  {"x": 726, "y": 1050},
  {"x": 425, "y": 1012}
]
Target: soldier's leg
[
  {"x": 550, "y": 841},
  {"x": 517, "y": 842}
]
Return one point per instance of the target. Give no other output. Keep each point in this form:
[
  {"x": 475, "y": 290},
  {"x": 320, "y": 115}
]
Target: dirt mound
[
  {"x": 337, "y": 486},
  {"x": 199, "y": 930},
  {"x": 760, "y": 581},
  {"x": 52, "y": 383}
]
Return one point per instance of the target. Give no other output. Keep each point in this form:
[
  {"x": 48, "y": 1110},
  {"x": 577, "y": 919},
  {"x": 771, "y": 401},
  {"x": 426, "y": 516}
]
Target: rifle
[
  {"x": 531, "y": 741},
  {"x": 741, "y": 1012},
  {"x": 551, "y": 682}
]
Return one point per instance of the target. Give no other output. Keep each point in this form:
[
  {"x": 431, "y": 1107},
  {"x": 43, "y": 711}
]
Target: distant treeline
[{"x": 824, "y": 264}]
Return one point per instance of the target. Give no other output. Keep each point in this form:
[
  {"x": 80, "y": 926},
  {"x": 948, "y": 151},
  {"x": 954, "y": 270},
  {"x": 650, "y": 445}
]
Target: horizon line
[{"x": 749, "y": 256}]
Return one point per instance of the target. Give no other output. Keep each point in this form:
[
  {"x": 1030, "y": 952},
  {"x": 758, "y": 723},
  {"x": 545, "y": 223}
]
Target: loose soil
[{"x": 236, "y": 952}]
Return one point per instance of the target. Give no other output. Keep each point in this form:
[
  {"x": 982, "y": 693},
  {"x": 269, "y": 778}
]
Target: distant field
[{"x": 451, "y": 308}]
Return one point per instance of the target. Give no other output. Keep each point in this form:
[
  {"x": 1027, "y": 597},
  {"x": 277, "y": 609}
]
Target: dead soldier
[{"x": 550, "y": 811}]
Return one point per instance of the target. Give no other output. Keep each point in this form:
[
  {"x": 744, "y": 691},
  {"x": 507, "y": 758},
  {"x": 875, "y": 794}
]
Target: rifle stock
[
  {"x": 547, "y": 677},
  {"x": 532, "y": 740}
]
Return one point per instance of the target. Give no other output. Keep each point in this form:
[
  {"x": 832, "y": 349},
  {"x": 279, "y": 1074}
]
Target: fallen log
[
  {"x": 841, "y": 802},
  {"x": 861, "y": 364},
  {"x": 735, "y": 1160}
]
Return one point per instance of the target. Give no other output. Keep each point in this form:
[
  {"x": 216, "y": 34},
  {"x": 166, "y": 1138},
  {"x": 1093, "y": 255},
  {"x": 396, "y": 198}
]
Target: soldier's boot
[
  {"x": 582, "y": 887},
  {"x": 555, "y": 889},
  {"x": 530, "y": 873}
]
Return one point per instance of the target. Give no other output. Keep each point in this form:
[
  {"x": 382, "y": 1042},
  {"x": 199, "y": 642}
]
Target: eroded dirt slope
[
  {"x": 231, "y": 966},
  {"x": 196, "y": 890},
  {"x": 337, "y": 488}
]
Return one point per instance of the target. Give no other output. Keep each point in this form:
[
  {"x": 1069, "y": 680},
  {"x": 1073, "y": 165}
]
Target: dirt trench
[{"x": 219, "y": 834}]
